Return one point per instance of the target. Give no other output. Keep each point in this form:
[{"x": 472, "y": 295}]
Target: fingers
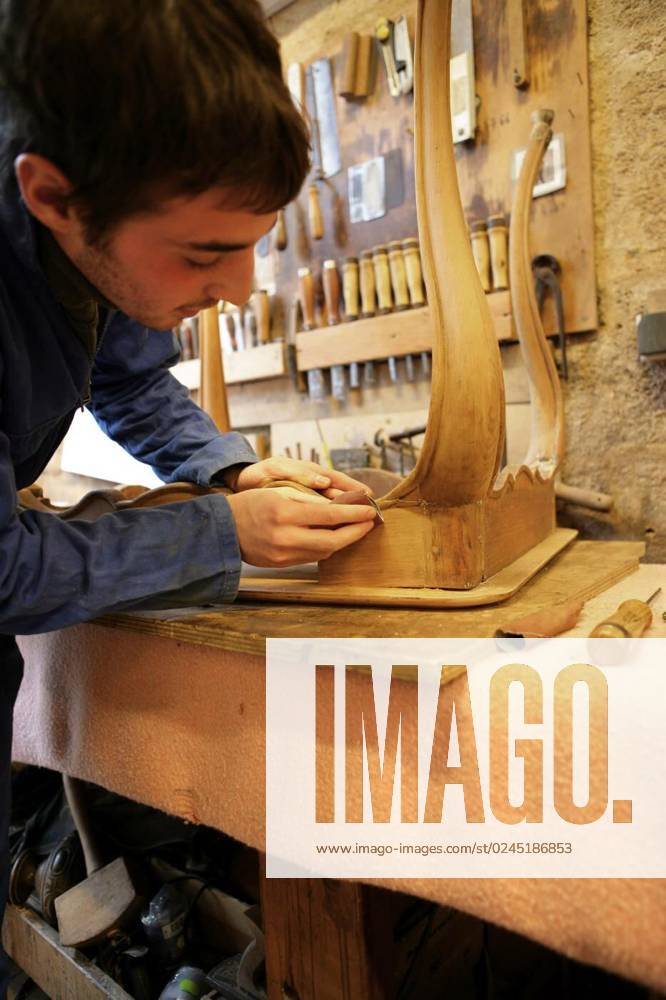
[
  {"x": 313, "y": 545},
  {"x": 292, "y": 494},
  {"x": 341, "y": 481},
  {"x": 331, "y": 515}
]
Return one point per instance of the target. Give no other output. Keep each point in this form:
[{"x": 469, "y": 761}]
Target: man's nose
[{"x": 236, "y": 285}]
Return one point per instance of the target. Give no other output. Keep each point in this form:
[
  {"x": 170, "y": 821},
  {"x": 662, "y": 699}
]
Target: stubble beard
[{"x": 98, "y": 264}]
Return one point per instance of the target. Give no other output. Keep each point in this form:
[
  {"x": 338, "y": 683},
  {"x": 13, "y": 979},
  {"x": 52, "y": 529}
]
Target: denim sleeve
[
  {"x": 141, "y": 406},
  {"x": 55, "y": 573}
]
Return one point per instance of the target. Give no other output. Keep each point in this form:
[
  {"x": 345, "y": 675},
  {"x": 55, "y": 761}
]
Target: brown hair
[{"x": 137, "y": 100}]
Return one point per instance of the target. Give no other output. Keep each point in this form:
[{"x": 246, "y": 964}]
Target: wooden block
[
  {"x": 101, "y": 903},
  {"x": 60, "y": 972},
  {"x": 347, "y": 85},
  {"x": 366, "y": 66},
  {"x": 266, "y": 361}
]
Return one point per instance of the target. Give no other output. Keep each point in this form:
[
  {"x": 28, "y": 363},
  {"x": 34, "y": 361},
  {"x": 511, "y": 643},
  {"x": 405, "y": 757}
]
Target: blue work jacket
[{"x": 55, "y": 573}]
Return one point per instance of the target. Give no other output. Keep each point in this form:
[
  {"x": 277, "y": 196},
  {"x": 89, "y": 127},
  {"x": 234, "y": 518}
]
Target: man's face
[{"x": 160, "y": 267}]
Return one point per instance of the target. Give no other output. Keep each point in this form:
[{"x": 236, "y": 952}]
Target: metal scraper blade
[{"x": 324, "y": 96}]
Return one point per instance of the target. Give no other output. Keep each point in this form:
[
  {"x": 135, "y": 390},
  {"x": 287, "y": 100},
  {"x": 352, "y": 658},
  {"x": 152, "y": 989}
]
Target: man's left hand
[{"x": 328, "y": 482}]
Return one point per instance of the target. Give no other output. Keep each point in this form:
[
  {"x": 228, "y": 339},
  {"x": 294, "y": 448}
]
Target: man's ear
[{"x": 44, "y": 189}]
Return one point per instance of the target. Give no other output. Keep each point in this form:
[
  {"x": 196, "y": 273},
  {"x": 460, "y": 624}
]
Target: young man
[{"x": 145, "y": 148}]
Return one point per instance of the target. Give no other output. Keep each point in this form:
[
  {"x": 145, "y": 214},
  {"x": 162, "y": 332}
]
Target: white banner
[{"x": 456, "y": 758}]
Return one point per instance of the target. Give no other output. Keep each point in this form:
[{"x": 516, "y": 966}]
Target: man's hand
[
  {"x": 329, "y": 482},
  {"x": 281, "y": 527}
]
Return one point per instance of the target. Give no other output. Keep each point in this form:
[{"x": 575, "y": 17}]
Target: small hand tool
[
  {"x": 412, "y": 255},
  {"x": 384, "y": 296},
  {"x": 498, "y": 238},
  {"x": 350, "y": 293},
  {"x": 281, "y": 230},
  {"x": 396, "y": 48},
  {"x": 306, "y": 293},
  {"x": 629, "y": 621},
  {"x": 400, "y": 292},
  {"x": 331, "y": 283},
  {"x": 481, "y": 251},
  {"x": 261, "y": 311},
  {"x": 368, "y": 304}
]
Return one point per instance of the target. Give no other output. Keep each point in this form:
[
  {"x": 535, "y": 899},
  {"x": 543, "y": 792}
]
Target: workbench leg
[{"x": 320, "y": 944}]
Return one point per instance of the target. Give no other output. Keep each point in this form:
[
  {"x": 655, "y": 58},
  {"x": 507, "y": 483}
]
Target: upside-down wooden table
[{"x": 168, "y": 708}]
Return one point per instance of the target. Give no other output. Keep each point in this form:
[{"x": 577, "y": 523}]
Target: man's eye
[{"x": 198, "y": 264}]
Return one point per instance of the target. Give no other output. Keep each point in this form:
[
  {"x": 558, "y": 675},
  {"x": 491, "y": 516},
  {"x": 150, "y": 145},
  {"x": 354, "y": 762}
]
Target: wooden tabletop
[{"x": 586, "y": 569}]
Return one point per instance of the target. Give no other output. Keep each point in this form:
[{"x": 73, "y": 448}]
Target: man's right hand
[{"x": 279, "y": 527}]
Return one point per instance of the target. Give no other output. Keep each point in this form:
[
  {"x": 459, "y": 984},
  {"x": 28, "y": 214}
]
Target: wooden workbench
[{"x": 168, "y": 708}]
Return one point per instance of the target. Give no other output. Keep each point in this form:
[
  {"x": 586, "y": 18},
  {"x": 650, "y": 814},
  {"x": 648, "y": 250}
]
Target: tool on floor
[
  {"x": 331, "y": 283},
  {"x": 107, "y": 899},
  {"x": 480, "y": 249},
  {"x": 306, "y": 295},
  {"x": 546, "y": 270},
  {"x": 499, "y": 244}
]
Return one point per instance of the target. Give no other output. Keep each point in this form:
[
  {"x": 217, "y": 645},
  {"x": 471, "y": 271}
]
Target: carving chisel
[
  {"x": 306, "y": 294},
  {"x": 400, "y": 292},
  {"x": 331, "y": 283},
  {"x": 412, "y": 257},
  {"x": 350, "y": 296},
  {"x": 384, "y": 298},
  {"x": 368, "y": 304},
  {"x": 498, "y": 238}
]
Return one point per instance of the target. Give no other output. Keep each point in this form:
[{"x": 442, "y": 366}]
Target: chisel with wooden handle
[
  {"x": 368, "y": 304},
  {"x": 350, "y": 295},
  {"x": 412, "y": 255},
  {"x": 498, "y": 238},
  {"x": 306, "y": 295},
  {"x": 400, "y": 288},
  {"x": 629, "y": 621},
  {"x": 261, "y": 310},
  {"x": 331, "y": 283},
  {"x": 384, "y": 297}
]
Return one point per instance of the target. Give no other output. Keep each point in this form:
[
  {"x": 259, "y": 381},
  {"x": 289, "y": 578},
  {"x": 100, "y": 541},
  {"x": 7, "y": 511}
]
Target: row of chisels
[
  {"x": 490, "y": 247},
  {"x": 383, "y": 279},
  {"x": 241, "y": 327}
]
